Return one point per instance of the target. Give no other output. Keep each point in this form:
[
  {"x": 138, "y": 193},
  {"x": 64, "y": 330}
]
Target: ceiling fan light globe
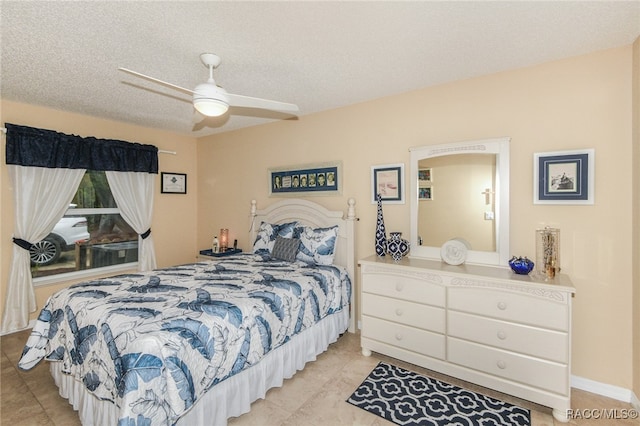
[
  {"x": 210, "y": 107},
  {"x": 210, "y": 100}
]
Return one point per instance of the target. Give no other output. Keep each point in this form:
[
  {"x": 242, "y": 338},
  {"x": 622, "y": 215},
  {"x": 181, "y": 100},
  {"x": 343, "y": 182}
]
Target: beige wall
[
  {"x": 582, "y": 102},
  {"x": 174, "y": 223}
]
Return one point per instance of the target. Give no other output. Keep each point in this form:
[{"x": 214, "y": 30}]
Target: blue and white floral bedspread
[{"x": 154, "y": 342}]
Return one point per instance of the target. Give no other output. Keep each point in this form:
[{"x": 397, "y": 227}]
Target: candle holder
[
  {"x": 548, "y": 252},
  {"x": 224, "y": 239}
]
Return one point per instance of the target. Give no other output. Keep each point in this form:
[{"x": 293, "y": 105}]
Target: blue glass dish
[{"x": 521, "y": 265}]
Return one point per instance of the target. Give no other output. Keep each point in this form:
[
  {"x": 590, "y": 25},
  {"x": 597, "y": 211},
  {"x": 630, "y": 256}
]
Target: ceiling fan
[{"x": 212, "y": 100}]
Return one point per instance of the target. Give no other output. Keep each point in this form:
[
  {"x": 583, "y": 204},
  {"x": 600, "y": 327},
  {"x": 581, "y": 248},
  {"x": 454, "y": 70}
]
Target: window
[{"x": 91, "y": 235}]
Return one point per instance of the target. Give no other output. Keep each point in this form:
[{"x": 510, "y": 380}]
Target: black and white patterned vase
[
  {"x": 381, "y": 233},
  {"x": 397, "y": 247}
]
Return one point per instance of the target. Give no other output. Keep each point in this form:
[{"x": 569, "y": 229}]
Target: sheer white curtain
[
  {"x": 133, "y": 192},
  {"x": 41, "y": 197}
]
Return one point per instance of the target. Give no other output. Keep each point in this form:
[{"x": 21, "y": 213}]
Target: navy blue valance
[{"x": 28, "y": 146}]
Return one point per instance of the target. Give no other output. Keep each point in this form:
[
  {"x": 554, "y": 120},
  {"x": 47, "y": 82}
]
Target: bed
[{"x": 198, "y": 343}]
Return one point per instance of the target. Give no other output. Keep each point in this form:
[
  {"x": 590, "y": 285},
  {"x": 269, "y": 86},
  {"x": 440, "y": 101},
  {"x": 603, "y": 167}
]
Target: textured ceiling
[{"x": 318, "y": 55}]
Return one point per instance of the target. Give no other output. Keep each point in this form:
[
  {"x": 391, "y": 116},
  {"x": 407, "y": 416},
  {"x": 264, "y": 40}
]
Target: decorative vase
[
  {"x": 381, "y": 233},
  {"x": 521, "y": 265},
  {"x": 397, "y": 247},
  {"x": 548, "y": 252}
]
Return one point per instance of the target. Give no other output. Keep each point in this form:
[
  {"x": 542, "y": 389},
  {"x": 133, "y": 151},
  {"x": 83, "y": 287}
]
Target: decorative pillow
[
  {"x": 317, "y": 245},
  {"x": 268, "y": 233},
  {"x": 285, "y": 248}
]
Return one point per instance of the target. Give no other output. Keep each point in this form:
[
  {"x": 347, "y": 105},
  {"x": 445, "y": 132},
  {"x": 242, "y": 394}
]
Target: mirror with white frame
[{"x": 461, "y": 190}]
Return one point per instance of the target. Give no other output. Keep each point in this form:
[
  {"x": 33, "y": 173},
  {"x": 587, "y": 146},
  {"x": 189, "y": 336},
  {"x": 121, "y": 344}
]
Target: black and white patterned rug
[{"x": 407, "y": 398}]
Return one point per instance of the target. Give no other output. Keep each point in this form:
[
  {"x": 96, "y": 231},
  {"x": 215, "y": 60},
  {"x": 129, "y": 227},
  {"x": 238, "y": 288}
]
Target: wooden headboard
[{"x": 316, "y": 216}]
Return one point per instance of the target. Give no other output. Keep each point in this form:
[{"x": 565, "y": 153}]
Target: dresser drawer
[
  {"x": 549, "y": 344},
  {"x": 547, "y": 375},
  {"x": 511, "y": 307},
  {"x": 402, "y": 287},
  {"x": 413, "y": 314},
  {"x": 410, "y": 338}
]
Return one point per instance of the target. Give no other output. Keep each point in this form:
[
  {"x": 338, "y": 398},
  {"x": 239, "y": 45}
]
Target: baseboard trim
[
  {"x": 29, "y": 326},
  {"x": 635, "y": 402},
  {"x": 604, "y": 389}
]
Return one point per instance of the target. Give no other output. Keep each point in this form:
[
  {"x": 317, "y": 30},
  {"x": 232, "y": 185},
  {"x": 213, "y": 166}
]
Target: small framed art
[
  {"x": 173, "y": 183},
  {"x": 388, "y": 181},
  {"x": 425, "y": 175},
  {"x": 563, "y": 177},
  {"x": 425, "y": 193}
]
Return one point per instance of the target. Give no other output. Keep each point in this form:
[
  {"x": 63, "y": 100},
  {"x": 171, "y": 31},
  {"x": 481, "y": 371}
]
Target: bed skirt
[{"x": 229, "y": 398}]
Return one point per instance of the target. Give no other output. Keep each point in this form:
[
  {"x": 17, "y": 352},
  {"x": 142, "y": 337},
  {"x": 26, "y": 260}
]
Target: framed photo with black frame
[
  {"x": 388, "y": 181},
  {"x": 307, "y": 179},
  {"x": 173, "y": 183},
  {"x": 564, "y": 177}
]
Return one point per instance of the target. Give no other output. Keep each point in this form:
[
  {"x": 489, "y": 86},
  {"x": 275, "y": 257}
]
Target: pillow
[
  {"x": 285, "y": 248},
  {"x": 317, "y": 245},
  {"x": 268, "y": 233}
]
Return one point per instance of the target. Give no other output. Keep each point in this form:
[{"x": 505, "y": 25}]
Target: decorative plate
[{"x": 454, "y": 251}]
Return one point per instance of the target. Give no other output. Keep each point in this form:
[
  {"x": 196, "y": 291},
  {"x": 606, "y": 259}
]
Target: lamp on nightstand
[{"x": 224, "y": 239}]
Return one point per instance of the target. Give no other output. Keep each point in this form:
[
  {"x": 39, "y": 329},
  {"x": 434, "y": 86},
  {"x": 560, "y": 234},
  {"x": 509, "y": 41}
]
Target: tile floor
[{"x": 314, "y": 397}]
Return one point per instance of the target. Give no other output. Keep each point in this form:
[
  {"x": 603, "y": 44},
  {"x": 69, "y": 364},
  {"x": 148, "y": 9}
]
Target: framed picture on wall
[
  {"x": 307, "y": 179},
  {"x": 425, "y": 175},
  {"x": 425, "y": 193},
  {"x": 173, "y": 183},
  {"x": 388, "y": 181},
  {"x": 563, "y": 177}
]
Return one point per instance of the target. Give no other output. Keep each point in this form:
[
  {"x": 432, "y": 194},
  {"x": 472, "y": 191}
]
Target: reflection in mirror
[
  {"x": 460, "y": 190},
  {"x": 464, "y": 202}
]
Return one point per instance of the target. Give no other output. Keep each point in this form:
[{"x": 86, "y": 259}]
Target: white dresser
[{"x": 481, "y": 324}]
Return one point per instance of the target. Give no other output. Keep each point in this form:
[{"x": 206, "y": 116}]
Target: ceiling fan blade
[
  {"x": 249, "y": 102},
  {"x": 155, "y": 80}
]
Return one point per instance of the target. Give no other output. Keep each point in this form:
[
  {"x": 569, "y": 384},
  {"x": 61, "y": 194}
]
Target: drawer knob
[
  {"x": 399, "y": 287},
  {"x": 502, "y": 335},
  {"x": 501, "y": 365},
  {"x": 399, "y": 312},
  {"x": 398, "y": 336},
  {"x": 502, "y": 306}
]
